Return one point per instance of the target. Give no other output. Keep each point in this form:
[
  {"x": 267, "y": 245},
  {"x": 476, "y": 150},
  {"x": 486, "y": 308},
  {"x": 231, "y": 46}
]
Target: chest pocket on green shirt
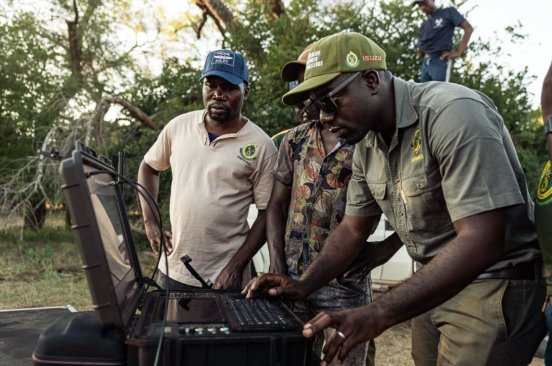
[
  {"x": 379, "y": 191},
  {"x": 426, "y": 209}
]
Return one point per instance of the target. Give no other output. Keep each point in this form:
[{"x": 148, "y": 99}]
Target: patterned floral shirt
[{"x": 319, "y": 191}]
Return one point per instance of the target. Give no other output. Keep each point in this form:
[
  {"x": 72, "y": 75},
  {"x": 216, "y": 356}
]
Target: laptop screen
[
  {"x": 107, "y": 250},
  {"x": 108, "y": 217},
  {"x": 189, "y": 308}
]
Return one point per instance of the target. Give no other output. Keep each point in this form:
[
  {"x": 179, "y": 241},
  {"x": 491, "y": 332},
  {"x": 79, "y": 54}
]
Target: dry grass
[
  {"x": 43, "y": 269},
  {"x": 393, "y": 346}
]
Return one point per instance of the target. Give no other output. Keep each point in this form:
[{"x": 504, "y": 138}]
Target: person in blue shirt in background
[{"x": 435, "y": 39}]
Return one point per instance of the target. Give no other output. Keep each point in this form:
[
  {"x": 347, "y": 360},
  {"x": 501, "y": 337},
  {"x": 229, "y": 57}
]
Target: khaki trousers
[{"x": 490, "y": 322}]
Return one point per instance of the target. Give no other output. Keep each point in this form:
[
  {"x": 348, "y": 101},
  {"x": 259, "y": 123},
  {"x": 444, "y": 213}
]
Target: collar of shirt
[{"x": 405, "y": 113}]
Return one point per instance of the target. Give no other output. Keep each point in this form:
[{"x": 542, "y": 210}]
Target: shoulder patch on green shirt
[{"x": 544, "y": 191}]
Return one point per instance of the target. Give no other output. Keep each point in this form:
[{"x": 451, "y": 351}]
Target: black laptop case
[
  {"x": 197, "y": 325},
  {"x": 79, "y": 339}
]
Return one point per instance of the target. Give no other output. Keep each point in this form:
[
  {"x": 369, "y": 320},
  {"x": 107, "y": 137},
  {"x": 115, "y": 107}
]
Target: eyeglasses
[{"x": 326, "y": 102}]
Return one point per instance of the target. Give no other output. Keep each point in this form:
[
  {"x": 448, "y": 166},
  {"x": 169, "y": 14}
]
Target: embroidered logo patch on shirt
[
  {"x": 416, "y": 147},
  {"x": 249, "y": 152},
  {"x": 544, "y": 192}
]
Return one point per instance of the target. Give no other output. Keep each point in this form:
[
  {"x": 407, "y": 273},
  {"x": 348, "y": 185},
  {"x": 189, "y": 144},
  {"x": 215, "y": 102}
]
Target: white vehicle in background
[{"x": 397, "y": 269}]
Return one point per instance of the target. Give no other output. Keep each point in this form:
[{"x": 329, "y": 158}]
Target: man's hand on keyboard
[{"x": 274, "y": 285}]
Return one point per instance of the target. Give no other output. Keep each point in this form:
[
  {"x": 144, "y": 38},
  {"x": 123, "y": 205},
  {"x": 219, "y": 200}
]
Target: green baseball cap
[{"x": 331, "y": 56}]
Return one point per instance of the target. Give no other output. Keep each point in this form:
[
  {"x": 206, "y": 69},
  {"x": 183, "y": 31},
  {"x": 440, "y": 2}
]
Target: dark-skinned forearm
[
  {"x": 546, "y": 105},
  {"x": 254, "y": 241},
  {"x": 468, "y": 30},
  {"x": 388, "y": 247},
  {"x": 340, "y": 249},
  {"x": 276, "y": 218},
  {"x": 149, "y": 179},
  {"x": 549, "y": 138}
]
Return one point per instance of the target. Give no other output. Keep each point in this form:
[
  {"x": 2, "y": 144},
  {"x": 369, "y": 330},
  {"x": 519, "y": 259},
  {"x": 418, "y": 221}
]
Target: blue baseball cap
[{"x": 226, "y": 64}]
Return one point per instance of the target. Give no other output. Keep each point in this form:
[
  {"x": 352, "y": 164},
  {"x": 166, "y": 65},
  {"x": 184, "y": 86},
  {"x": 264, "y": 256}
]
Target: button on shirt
[
  {"x": 450, "y": 157},
  {"x": 319, "y": 190}
]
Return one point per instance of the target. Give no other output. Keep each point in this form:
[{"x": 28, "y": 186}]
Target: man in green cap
[{"x": 437, "y": 160}]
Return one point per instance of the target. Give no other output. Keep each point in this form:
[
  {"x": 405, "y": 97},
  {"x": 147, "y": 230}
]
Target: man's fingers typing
[{"x": 249, "y": 289}]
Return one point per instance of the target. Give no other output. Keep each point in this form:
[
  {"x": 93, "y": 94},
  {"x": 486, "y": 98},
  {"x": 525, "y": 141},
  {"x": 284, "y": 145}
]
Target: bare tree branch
[
  {"x": 75, "y": 44},
  {"x": 23, "y": 191},
  {"x": 275, "y": 8},
  {"x": 200, "y": 27},
  {"x": 221, "y": 15},
  {"x": 218, "y": 11},
  {"x": 134, "y": 112}
]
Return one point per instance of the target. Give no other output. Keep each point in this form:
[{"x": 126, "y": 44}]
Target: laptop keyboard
[{"x": 258, "y": 314}]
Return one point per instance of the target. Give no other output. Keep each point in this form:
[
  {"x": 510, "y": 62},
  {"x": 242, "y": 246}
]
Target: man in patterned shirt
[{"x": 307, "y": 202}]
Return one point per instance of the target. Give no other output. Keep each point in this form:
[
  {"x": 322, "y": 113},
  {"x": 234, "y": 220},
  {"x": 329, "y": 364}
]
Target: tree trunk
[{"x": 35, "y": 213}]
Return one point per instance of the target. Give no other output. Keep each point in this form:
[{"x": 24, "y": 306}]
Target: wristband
[{"x": 548, "y": 126}]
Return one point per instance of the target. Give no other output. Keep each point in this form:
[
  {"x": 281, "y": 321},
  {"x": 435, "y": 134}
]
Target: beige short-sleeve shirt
[{"x": 213, "y": 184}]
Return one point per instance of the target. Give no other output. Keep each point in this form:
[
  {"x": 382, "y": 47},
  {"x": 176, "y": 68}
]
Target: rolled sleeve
[{"x": 477, "y": 175}]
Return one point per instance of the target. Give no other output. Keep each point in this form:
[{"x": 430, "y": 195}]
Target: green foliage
[
  {"x": 24, "y": 89},
  {"x": 175, "y": 91},
  {"x": 269, "y": 43},
  {"x": 57, "y": 68},
  {"x": 394, "y": 26},
  {"x": 41, "y": 88}
]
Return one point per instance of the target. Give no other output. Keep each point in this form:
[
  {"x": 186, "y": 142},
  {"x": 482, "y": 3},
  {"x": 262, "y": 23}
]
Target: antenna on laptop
[
  {"x": 186, "y": 260},
  {"x": 121, "y": 168}
]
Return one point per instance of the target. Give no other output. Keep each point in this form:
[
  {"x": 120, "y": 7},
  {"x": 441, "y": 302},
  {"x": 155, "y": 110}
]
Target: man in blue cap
[{"x": 221, "y": 162}]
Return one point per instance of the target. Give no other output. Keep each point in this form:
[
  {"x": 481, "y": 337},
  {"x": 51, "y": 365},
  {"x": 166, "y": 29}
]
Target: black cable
[{"x": 151, "y": 204}]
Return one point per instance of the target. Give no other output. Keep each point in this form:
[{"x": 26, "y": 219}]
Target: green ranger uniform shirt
[
  {"x": 450, "y": 157},
  {"x": 543, "y": 218}
]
